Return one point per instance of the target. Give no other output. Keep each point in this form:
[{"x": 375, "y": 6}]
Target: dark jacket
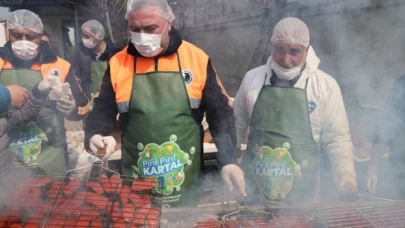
[
  {"x": 46, "y": 56},
  {"x": 101, "y": 120},
  {"x": 82, "y": 58}
]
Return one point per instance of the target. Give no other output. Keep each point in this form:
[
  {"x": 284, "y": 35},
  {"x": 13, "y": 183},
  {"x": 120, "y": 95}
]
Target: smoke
[{"x": 360, "y": 44}]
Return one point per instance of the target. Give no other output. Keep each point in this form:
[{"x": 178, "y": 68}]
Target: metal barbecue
[{"x": 99, "y": 198}]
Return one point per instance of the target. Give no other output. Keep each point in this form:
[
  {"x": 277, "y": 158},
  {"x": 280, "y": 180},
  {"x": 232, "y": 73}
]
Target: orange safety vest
[
  {"x": 58, "y": 68},
  {"x": 194, "y": 68}
]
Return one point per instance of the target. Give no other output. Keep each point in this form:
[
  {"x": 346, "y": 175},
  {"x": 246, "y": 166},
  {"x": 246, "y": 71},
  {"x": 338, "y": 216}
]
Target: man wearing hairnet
[
  {"x": 25, "y": 61},
  {"x": 91, "y": 56},
  {"x": 161, "y": 85},
  {"x": 292, "y": 108},
  {"x": 388, "y": 136}
]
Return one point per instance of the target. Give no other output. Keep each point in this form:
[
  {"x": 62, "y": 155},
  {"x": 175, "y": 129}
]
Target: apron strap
[
  {"x": 265, "y": 78},
  {"x": 178, "y": 62},
  {"x": 306, "y": 84}
]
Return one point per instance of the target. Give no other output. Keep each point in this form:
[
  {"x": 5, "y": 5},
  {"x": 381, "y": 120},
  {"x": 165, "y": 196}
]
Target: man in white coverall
[{"x": 291, "y": 107}]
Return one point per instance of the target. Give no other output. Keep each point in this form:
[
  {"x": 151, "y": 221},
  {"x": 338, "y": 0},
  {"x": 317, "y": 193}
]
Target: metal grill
[
  {"x": 102, "y": 198},
  {"x": 370, "y": 214}
]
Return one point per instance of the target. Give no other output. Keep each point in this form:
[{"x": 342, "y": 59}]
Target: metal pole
[
  {"x": 223, "y": 8},
  {"x": 77, "y": 38}
]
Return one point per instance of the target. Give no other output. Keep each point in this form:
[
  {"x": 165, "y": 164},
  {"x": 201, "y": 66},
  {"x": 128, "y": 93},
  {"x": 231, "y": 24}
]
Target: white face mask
[
  {"x": 88, "y": 43},
  {"x": 147, "y": 45},
  {"x": 286, "y": 74},
  {"x": 25, "y": 49}
]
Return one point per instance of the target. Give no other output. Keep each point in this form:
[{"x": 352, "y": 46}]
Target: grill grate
[
  {"x": 370, "y": 214},
  {"x": 100, "y": 199}
]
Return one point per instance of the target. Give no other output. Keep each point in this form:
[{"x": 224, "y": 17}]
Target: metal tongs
[{"x": 363, "y": 196}]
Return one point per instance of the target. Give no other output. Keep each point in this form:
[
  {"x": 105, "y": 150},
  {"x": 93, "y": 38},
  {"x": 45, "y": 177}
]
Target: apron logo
[
  {"x": 26, "y": 142},
  {"x": 274, "y": 170},
  {"x": 55, "y": 72},
  {"x": 311, "y": 106},
  {"x": 165, "y": 163},
  {"x": 187, "y": 76}
]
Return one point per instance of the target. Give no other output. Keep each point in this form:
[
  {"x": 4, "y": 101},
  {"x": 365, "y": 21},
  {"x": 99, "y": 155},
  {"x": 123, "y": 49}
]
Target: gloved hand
[
  {"x": 47, "y": 84},
  {"x": 233, "y": 174},
  {"x": 98, "y": 142},
  {"x": 347, "y": 183},
  {"x": 372, "y": 180},
  {"x": 66, "y": 105}
]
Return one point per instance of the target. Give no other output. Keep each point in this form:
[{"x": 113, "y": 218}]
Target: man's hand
[
  {"x": 372, "y": 180},
  {"x": 347, "y": 183},
  {"x": 18, "y": 95},
  {"x": 98, "y": 143},
  {"x": 233, "y": 174},
  {"x": 66, "y": 105}
]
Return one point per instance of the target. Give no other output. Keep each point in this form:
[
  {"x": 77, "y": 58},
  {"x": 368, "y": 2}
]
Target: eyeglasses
[{"x": 20, "y": 36}]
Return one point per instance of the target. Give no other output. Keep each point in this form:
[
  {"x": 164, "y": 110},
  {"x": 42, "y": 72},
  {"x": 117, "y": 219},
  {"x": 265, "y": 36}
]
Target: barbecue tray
[
  {"x": 102, "y": 199},
  {"x": 42, "y": 202},
  {"x": 367, "y": 212}
]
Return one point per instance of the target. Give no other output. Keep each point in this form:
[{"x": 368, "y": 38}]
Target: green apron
[
  {"x": 41, "y": 144},
  {"x": 281, "y": 157},
  {"x": 97, "y": 72},
  {"x": 162, "y": 139}
]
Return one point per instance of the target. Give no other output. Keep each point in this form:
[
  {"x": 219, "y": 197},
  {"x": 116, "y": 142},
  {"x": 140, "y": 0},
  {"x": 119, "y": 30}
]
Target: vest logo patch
[
  {"x": 187, "y": 76},
  {"x": 311, "y": 106},
  {"x": 55, "y": 72}
]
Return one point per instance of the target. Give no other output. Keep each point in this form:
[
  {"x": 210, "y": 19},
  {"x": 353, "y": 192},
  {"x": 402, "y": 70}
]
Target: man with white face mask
[
  {"x": 294, "y": 111},
  {"x": 161, "y": 85},
  {"x": 91, "y": 57},
  {"x": 25, "y": 61}
]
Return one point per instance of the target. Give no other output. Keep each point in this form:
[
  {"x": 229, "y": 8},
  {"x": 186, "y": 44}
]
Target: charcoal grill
[
  {"x": 368, "y": 212},
  {"x": 58, "y": 207}
]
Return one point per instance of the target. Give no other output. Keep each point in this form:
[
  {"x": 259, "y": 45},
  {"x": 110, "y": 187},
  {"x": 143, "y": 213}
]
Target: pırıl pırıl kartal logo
[
  {"x": 165, "y": 163},
  {"x": 274, "y": 170},
  {"x": 25, "y": 141}
]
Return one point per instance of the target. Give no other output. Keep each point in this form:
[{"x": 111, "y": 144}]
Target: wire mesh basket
[{"x": 101, "y": 198}]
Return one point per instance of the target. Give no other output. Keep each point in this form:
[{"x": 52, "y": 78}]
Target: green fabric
[
  {"x": 281, "y": 157},
  {"x": 97, "y": 73},
  {"x": 162, "y": 139},
  {"x": 41, "y": 144}
]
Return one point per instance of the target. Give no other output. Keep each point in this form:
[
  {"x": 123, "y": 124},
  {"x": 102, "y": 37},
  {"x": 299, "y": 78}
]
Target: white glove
[
  {"x": 48, "y": 83},
  {"x": 98, "y": 142},
  {"x": 66, "y": 105},
  {"x": 347, "y": 183},
  {"x": 233, "y": 174},
  {"x": 372, "y": 180}
]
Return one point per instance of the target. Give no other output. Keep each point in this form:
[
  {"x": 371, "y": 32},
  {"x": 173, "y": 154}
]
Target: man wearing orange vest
[
  {"x": 25, "y": 61},
  {"x": 161, "y": 85}
]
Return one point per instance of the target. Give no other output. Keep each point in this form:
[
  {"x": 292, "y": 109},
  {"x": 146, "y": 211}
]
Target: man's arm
[
  {"x": 5, "y": 99},
  {"x": 30, "y": 108},
  {"x": 336, "y": 139},
  {"x": 82, "y": 102},
  {"x": 220, "y": 118},
  {"x": 102, "y": 119}
]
